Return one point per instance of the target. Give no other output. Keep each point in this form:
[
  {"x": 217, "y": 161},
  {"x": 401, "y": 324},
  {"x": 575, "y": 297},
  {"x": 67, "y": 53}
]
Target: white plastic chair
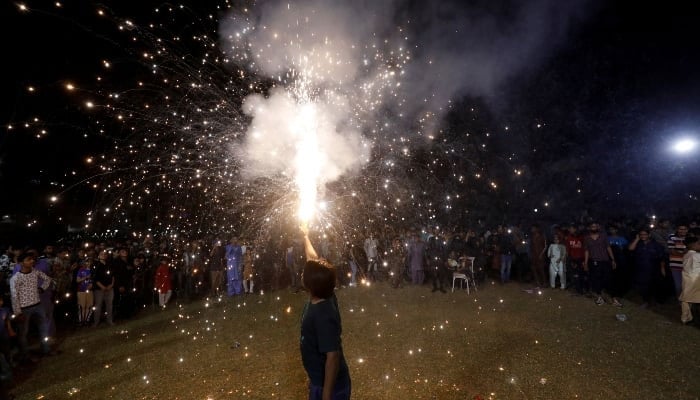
[{"x": 464, "y": 278}]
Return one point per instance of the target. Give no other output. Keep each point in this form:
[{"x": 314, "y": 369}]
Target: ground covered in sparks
[{"x": 501, "y": 342}]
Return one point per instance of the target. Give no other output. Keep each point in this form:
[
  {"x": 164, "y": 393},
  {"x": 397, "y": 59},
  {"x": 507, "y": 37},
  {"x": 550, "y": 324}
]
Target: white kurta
[
  {"x": 691, "y": 284},
  {"x": 691, "y": 277},
  {"x": 557, "y": 258}
]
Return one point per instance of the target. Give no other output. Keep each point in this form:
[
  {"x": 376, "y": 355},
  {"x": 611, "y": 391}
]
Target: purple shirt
[
  {"x": 598, "y": 248},
  {"x": 234, "y": 256},
  {"x": 84, "y": 286}
]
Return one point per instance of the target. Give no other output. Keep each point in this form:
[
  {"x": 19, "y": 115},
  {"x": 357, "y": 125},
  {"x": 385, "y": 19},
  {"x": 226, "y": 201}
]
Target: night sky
[{"x": 504, "y": 112}]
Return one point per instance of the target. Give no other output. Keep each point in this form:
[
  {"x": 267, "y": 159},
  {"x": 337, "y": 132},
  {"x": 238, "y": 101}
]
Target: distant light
[{"x": 684, "y": 146}]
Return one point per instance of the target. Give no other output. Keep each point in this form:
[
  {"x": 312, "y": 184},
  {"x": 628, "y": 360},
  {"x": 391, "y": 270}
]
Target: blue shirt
[{"x": 320, "y": 334}]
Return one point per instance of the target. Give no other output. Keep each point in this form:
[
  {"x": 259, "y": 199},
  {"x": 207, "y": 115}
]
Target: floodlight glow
[{"x": 684, "y": 145}]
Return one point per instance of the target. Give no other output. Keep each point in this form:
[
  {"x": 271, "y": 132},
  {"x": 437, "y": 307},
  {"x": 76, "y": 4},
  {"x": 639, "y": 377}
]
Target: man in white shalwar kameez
[
  {"x": 690, "y": 292},
  {"x": 557, "y": 261}
]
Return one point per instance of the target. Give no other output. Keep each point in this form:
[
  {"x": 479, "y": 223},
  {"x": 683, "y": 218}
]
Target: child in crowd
[
  {"x": 396, "y": 257},
  {"x": 557, "y": 262},
  {"x": 690, "y": 293},
  {"x": 452, "y": 261},
  {"x": 164, "y": 282},
  {"x": 85, "y": 297},
  {"x": 248, "y": 269},
  {"x": 321, "y": 348}
]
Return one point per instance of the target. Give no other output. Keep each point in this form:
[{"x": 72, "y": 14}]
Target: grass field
[{"x": 500, "y": 342}]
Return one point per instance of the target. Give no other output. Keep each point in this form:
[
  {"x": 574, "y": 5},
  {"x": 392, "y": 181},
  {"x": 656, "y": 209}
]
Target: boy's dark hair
[
  {"x": 26, "y": 255},
  {"x": 319, "y": 278}
]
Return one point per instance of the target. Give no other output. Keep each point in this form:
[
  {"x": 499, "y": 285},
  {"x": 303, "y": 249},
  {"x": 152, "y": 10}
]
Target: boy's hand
[{"x": 304, "y": 228}]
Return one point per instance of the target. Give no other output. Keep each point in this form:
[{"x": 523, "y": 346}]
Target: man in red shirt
[{"x": 575, "y": 255}]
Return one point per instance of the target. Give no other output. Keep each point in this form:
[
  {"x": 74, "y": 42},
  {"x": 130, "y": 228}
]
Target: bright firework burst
[{"x": 245, "y": 118}]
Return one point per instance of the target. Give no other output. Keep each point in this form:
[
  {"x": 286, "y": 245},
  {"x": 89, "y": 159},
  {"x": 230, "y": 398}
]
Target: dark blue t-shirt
[{"x": 320, "y": 334}]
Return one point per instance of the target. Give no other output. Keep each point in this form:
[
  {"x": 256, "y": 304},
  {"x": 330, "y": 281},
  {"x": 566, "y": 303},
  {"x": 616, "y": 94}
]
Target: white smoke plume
[{"x": 348, "y": 64}]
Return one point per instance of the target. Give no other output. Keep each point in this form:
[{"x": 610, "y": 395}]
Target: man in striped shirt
[{"x": 26, "y": 302}]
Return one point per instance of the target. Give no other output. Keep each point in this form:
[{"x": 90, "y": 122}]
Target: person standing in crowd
[
  {"x": 248, "y": 270},
  {"x": 575, "y": 256},
  {"x": 217, "y": 261},
  {"x": 371, "y": 251},
  {"x": 619, "y": 245},
  {"x": 164, "y": 282},
  {"x": 416, "y": 259},
  {"x": 352, "y": 264},
  {"x": 557, "y": 263},
  {"x": 538, "y": 248},
  {"x": 7, "y": 261},
  {"x": 661, "y": 231},
  {"x": 182, "y": 273},
  {"x": 84, "y": 293},
  {"x": 396, "y": 257},
  {"x": 507, "y": 249},
  {"x": 124, "y": 283},
  {"x": 63, "y": 295},
  {"x": 600, "y": 262},
  {"x": 192, "y": 269},
  {"x": 321, "y": 329},
  {"x": 44, "y": 263},
  {"x": 26, "y": 287},
  {"x": 521, "y": 263},
  {"x": 493, "y": 246},
  {"x": 103, "y": 285},
  {"x": 290, "y": 262},
  {"x": 140, "y": 290},
  {"x": 690, "y": 295},
  {"x": 456, "y": 243},
  {"x": 6, "y": 334},
  {"x": 234, "y": 265},
  {"x": 676, "y": 251},
  {"x": 649, "y": 266},
  {"x": 435, "y": 253}
]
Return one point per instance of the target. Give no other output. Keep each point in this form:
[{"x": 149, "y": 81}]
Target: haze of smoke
[
  {"x": 456, "y": 49},
  {"x": 275, "y": 131}
]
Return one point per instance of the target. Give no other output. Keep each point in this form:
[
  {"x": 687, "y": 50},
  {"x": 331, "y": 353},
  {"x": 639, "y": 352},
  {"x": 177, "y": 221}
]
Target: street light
[{"x": 684, "y": 145}]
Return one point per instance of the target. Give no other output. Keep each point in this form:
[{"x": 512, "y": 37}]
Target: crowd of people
[{"x": 88, "y": 284}]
